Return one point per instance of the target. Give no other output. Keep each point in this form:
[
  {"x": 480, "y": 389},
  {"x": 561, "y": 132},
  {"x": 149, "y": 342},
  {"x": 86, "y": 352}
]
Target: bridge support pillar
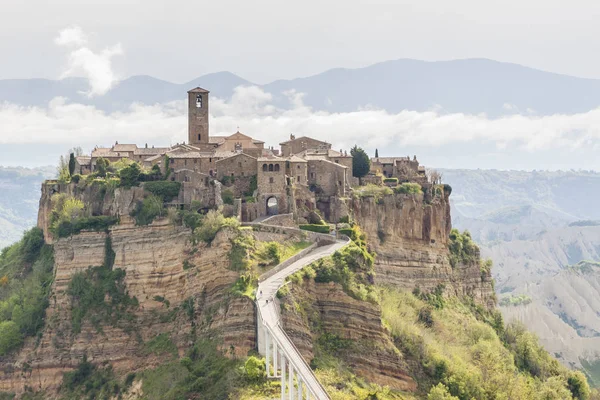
[
  {"x": 291, "y": 381},
  {"x": 275, "y": 369},
  {"x": 267, "y": 355},
  {"x": 283, "y": 382}
]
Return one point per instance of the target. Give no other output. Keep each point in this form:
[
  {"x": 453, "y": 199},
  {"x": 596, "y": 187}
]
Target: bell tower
[{"x": 198, "y": 117}]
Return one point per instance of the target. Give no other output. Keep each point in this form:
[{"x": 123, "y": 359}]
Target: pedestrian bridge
[{"x": 283, "y": 360}]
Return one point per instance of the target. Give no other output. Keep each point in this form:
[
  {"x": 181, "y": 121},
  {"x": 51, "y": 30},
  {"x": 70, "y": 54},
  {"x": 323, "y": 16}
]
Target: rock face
[
  {"x": 410, "y": 237},
  {"x": 319, "y": 308},
  {"x": 153, "y": 258}
]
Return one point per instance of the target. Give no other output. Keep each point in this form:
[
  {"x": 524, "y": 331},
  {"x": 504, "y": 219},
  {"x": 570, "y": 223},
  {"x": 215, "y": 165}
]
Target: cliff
[
  {"x": 153, "y": 259},
  {"x": 410, "y": 236}
]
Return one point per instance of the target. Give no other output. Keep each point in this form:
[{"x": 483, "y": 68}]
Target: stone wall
[
  {"x": 240, "y": 165},
  {"x": 329, "y": 176}
]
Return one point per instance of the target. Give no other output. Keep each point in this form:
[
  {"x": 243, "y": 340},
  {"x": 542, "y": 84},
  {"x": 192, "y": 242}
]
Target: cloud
[
  {"x": 456, "y": 139},
  {"x": 96, "y": 67}
]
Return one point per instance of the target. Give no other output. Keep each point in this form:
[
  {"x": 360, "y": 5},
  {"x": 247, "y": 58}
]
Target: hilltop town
[{"x": 305, "y": 174}]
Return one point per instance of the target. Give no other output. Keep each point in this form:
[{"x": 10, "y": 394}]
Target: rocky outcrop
[
  {"x": 410, "y": 237},
  {"x": 315, "y": 309},
  {"x": 159, "y": 262}
]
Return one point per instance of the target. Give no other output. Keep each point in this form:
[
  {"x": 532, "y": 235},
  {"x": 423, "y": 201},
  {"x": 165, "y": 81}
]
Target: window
[
  {"x": 172, "y": 161},
  {"x": 299, "y": 180},
  {"x": 337, "y": 161},
  {"x": 199, "y": 101},
  {"x": 199, "y": 137},
  {"x": 239, "y": 164},
  {"x": 265, "y": 167},
  {"x": 184, "y": 162},
  {"x": 271, "y": 180},
  {"x": 270, "y": 167},
  {"x": 210, "y": 160},
  {"x": 298, "y": 166},
  {"x": 276, "y": 167}
]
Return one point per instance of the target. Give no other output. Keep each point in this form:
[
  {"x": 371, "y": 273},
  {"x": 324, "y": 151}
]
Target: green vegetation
[
  {"x": 98, "y": 224},
  {"x": 227, "y": 196},
  {"x": 25, "y": 280},
  {"x": 99, "y": 295},
  {"x": 130, "y": 175},
  {"x": 351, "y": 267},
  {"x": 315, "y": 228},
  {"x": 390, "y": 180},
  {"x": 361, "y": 163},
  {"x": 408, "y": 188},
  {"x": 211, "y": 224},
  {"x": 585, "y": 267},
  {"x": 478, "y": 357},
  {"x": 68, "y": 218},
  {"x": 371, "y": 190},
  {"x": 147, "y": 210},
  {"x": 515, "y": 300},
  {"x": 161, "y": 344},
  {"x": 88, "y": 381},
  {"x": 462, "y": 248},
  {"x": 203, "y": 370},
  {"x": 166, "y": 190}
]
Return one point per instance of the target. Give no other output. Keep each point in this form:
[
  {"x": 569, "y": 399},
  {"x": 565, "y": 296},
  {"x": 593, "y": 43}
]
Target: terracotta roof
[
  {"x": 258, "y": 142},
  {"x": 327, "y": 161},
  {"x": 124, "y": 147},
  {"x": 156, "y": 157},
  {"x": 238, "y": 134},
  {"x": 272, "y": 158},
  {"x": 232, "y": 155},
  {"x": 300, "y": 138},
  {"x": 387, "y": 160},
  {"x": 143, "y": 151},
  {"x": 224, "y": 154},
  {"x": 295, "y": 158},
  {"x": 198, "y": 90},
  {"x": 216, "y": 139},
  {"x": 189, "y": 154},
  {"x": 83, "y": 160},
  {"x": 103, "y": 152}
]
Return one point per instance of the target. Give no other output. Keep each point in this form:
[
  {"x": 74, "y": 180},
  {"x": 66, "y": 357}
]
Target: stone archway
[{"x": 272, "y": 206}]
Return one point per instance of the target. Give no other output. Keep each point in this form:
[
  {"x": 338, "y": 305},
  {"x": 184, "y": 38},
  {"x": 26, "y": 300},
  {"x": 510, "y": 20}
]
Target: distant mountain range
[{"x": 470, "y": 86}]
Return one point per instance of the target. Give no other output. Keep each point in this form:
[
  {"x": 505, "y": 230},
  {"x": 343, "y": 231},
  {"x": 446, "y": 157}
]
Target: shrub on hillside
[
  {"x": 227, "y": 196},
  {"x": 166, "y": 190},
  {"x": 130, "y": 175},
  {"x": 315, "y": 228},
  {"x": 147, "y": 210},
  {"x": 97, "y": 224},
  {"x": 462, "y": 248},
  {"x": 212, "y": 223},
  {"x": 408, "y": 188}
]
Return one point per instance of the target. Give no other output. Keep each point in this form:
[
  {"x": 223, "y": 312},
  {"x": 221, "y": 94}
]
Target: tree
[
  {"x": 434, "y": 176},
  {"x": 10, "y": 337},
  {"x": 376, "y": 153},
  {"x": 64, "y": 166},
  {"x": 102, "y": 167},
  {"x": 130, "y": 175},
  {"x": 361, "y": 164},
  {"x": 71, "y": 164}
]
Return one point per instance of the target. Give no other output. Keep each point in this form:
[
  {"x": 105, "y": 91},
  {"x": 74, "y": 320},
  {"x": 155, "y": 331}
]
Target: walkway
[{"x": 281, "y": 355}]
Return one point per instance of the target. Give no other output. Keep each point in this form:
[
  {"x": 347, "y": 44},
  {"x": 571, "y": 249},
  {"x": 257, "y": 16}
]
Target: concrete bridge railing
[{"x": 283, "y": 360}]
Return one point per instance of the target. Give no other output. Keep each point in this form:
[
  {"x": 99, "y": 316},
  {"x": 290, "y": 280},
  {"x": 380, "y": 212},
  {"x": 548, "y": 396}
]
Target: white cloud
[
  {"x": 95, "y": 66},
  {"x": 534, "y": 137}
]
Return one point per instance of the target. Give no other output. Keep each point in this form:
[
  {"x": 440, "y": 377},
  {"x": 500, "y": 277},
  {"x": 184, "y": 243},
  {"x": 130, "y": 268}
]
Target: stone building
[
  {"x": 238, "y": 142},
  {"x": 238, "y": 165},
  {"x": 298, "y": 145},
  {"x": 305, "y": 175},
  {"x": 272, "y": 185}
]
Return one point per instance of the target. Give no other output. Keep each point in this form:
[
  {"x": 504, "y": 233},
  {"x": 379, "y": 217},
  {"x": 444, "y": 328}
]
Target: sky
[{"x": 266, "y": 40}]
